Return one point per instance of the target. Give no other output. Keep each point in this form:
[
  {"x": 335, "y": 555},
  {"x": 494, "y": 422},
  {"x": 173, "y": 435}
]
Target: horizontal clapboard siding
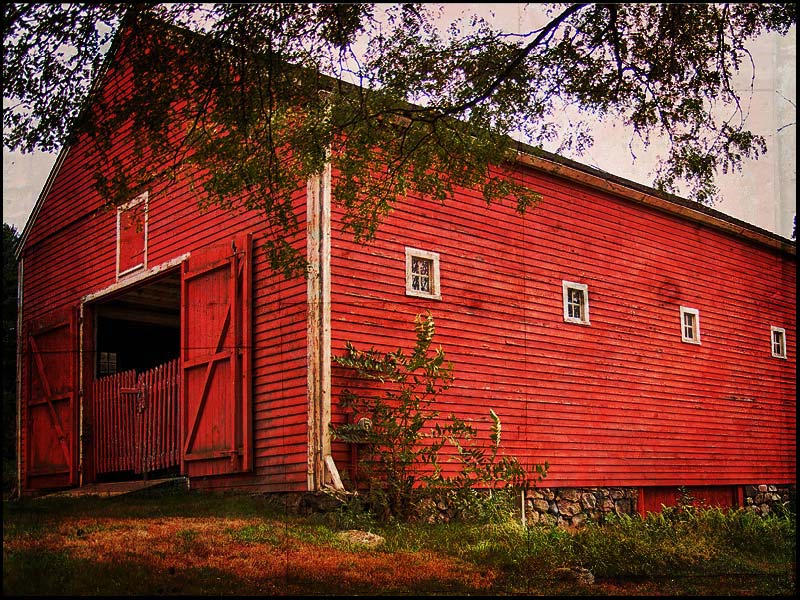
[{"x": 622, "y": 401}]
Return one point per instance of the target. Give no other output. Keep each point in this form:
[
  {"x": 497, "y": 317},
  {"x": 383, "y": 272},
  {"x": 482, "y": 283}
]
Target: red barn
[{"x": 632, "y": 339}]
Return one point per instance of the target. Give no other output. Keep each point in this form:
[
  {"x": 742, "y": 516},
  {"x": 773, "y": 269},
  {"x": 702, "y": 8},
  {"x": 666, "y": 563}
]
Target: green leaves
[{"x": 246, "y": 101}]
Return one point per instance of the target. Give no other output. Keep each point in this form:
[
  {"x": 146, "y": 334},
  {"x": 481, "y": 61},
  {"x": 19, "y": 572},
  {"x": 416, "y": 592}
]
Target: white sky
[{"x": 764, "y": 194}]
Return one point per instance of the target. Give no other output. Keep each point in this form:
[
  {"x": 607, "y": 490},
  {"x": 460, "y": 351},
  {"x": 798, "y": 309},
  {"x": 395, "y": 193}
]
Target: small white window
[
  {"x": 778, "y": 342},
  {"x": 690, "y": 325},
  {"x": 422, "y": 274},
  {"x": 576, "y": 302}
]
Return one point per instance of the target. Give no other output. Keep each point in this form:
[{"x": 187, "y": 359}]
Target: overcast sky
[{"x": 764, "y": 194}]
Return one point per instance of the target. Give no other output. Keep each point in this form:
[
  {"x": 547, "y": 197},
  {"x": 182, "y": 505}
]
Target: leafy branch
[{"x": 246, "y": 101}]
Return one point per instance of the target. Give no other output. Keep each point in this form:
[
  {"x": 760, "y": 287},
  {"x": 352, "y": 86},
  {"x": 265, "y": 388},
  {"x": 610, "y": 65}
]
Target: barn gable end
[{"x": 123, "y": 311}]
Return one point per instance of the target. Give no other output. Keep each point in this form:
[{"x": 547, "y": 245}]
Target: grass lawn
[{"x": 175, "y": 542}]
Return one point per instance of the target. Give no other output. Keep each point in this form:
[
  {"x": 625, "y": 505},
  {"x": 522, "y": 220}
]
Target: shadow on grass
[
  {"x": 23, "y": 575},
  {"x": 169, "y": 501},
  {"x": 239, "y": 544},
  {"x": 23, "y": 572}
]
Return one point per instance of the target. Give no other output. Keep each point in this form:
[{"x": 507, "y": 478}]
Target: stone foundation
[
  {"x": 572, "y": 507},
  {"x": 567, "y": 507},
  {"x": 765, "y": 499}
]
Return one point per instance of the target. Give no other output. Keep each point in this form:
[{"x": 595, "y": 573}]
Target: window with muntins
[
  {"x": 690, "y": 325},
  {"x": 422, "y": 274},
  {"x": 108, "y": 363},
  {"x": 421, "y": 270},
  {"x": 778, "y": 342},
  {"x": 576, "y": 302}
]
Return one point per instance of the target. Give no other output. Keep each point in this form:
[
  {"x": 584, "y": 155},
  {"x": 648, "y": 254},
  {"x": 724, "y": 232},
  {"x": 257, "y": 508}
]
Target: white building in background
[{"x": 765, "y": 194}]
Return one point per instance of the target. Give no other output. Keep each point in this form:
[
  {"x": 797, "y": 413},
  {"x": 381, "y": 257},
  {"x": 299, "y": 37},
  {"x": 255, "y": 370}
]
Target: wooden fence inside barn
[{"x": 135, "y": 424}]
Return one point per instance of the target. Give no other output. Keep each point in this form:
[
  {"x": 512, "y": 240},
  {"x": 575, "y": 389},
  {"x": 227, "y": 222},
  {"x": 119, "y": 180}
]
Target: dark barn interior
[{"x": 140, "y": 328}]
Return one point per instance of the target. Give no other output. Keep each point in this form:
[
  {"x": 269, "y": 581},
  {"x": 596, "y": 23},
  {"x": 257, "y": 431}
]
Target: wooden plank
[{"x": 161, "y": 419}]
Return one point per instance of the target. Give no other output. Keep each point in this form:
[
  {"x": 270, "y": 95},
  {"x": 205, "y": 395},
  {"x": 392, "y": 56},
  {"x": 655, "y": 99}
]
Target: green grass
[
  {"x": 678, "y": 552},
  {"x": 259, "y": 534}
]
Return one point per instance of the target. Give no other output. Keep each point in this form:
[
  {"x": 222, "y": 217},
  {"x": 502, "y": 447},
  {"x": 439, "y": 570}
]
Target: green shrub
[{"x": 400, "y": 438}]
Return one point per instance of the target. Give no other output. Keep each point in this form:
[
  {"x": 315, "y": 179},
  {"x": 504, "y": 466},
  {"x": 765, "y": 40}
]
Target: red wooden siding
[
  {"x": 622, "y": 401},
  {"x": 278, "y": 311},
  {"x": 653, "y": 498}
]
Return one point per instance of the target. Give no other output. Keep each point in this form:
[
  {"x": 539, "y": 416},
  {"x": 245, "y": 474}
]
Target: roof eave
[{"x": 641, "y": 194}]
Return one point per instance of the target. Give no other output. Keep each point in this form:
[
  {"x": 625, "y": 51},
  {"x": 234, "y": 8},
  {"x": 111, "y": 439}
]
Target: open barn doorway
[{"x": 132, "y": 410}]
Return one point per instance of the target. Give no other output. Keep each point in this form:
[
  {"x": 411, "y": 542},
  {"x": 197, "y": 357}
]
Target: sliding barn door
[
  {"x": 51, "y": 404},
  {"x": 216, "y": 415}
]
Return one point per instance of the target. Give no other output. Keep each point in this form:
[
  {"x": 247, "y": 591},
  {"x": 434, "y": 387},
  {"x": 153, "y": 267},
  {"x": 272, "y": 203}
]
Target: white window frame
[
  {"x": 141, "y": 198},
  {"x": 433, "y": 257},
  {"x": 782, "y": 332},
  {"x": 566, "y": 286},
  {"x": 695, "y": 339}
]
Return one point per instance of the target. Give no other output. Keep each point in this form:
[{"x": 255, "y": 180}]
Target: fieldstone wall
[
  {"x": 763, "y": 499},
  {"x": 566, "y": 507},
  {"x": 572, "y": 507}
]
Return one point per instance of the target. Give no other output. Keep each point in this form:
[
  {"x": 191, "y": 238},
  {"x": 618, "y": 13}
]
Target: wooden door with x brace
[{"x": 216, "y": 416}]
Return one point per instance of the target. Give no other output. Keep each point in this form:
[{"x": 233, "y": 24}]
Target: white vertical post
[{"x": 524, "y": 516}]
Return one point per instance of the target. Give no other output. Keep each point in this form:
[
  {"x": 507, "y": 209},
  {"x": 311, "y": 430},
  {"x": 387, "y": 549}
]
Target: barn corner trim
[{"x": 318, "y": 247}]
